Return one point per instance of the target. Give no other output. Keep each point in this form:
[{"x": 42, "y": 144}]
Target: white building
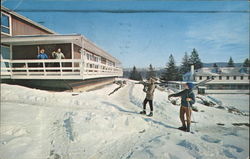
[{"x": 224, "y": 78}]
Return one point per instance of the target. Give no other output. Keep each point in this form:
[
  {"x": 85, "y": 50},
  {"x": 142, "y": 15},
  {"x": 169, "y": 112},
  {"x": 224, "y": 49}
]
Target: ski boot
[
  {"x": 183, "y": 128},
  {"x": 150, "y": 114},
  {"x": 143, "y": 112},
  {"x": 188, "y": 128}
]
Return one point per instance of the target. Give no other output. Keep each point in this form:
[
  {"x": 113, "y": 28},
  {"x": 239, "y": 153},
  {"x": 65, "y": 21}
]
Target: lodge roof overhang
[
  {"x": 57, "y": 39},
  {"x": 42, "y": 39}
]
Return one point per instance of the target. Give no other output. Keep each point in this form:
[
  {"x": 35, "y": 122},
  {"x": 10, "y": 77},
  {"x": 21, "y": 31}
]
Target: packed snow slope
[{"x": 38, "y": 124}]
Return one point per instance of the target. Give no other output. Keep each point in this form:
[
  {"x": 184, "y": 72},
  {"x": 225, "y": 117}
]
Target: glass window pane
[
  {"x": 5, "y": 20},
  {"x": 5, "y": 30},
  {"x": 5, "y": 54}
]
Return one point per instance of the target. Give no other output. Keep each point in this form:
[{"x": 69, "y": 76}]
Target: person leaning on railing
[{"x": 42, "y": 55}]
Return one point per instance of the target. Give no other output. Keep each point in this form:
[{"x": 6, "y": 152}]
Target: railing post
[
  {"x": 60, "y": 65},
  {"x": 81, "y": 67},
  {"x": 27, "y": 68},
  {"x": 44, "y": 69},
  {"x": 10, "y": 63}
]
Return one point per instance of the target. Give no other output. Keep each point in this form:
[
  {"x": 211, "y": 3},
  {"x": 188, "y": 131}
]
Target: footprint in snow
[
  {"x": 210, "y": 139},
  {"x": 228, "y": 154},
  {"x": 238, "y": 149},
  {"x": 192, "y": 148}
]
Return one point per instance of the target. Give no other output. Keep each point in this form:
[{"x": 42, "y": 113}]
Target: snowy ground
[
  {"x": 38, "y": 124},
  {"x": 239, "y": 101}
]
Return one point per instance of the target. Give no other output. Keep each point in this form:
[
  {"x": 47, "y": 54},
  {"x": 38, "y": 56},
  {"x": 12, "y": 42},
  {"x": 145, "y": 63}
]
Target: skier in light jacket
[
  {"x": 149, "y": 89},
  {"x": 187, "y": 100},
  {"x": 58, "y": 55}
]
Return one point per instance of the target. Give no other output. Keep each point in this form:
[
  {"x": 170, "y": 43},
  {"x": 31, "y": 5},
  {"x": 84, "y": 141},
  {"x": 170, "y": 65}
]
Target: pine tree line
[{"x": 174, "y": 73}]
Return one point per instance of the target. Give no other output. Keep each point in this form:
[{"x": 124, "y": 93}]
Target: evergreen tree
[
  {"x": 171, "y": 72},
  {"x": 195, "y": 60},
  {"x": 246, "y": 63},
  {"x": 185, "y": 66},
  {"x": 230, "y": 62},
  {"x": 215, "y": 65},
  {"x": 151, "y": 72},
  {"x": 216, "y": 69},
  {"x": 135, "y": 75}
]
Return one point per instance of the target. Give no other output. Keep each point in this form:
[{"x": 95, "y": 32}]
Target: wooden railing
[{"x": 57, "y": 69}]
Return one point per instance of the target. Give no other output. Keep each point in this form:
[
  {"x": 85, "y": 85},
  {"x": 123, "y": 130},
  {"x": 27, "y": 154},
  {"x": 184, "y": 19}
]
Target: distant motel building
[
  {"x": 85, "y": 65},
  {"x": 223, "y": 78}
]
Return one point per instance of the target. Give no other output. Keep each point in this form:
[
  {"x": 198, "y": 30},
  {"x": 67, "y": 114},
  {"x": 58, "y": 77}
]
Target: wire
[
  {"x": 19, "y": 3},
  {"x": 127, "y": 11}
]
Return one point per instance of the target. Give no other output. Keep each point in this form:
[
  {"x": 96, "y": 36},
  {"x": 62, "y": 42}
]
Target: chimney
[{"x": 192, "y": 73}]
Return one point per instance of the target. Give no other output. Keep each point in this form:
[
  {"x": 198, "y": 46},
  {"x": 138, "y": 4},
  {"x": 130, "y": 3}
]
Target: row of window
[
  {"x": 95, "y": 58},
  {"x": 220, "y": 77},
  {"x": 92, "y": 57},
  {"x": 110, "y": 63}
]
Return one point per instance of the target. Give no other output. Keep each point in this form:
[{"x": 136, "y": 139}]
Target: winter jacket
[
  {"x": 186, "y": 93},
  {"x": 58, "y": 55},
  {"x": 42, "y": 56},
  {"x": 150, "y": 88}
]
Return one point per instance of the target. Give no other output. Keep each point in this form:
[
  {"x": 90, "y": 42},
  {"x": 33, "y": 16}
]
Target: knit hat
[{"x": 190, "y": 85}]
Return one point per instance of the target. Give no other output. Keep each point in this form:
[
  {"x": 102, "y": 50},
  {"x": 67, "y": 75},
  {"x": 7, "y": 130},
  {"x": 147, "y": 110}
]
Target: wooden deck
[{"x": 68, "y": 69}]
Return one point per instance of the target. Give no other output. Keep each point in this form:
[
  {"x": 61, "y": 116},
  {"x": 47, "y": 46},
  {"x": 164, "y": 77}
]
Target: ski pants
[
  {"x": 150, "y": 104},
  {"x": 187, "y": 111}
]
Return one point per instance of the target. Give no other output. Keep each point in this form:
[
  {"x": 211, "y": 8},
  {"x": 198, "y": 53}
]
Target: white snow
[
  {"x": 239, "y": 101},
  {"x": 39, "y": 124}
]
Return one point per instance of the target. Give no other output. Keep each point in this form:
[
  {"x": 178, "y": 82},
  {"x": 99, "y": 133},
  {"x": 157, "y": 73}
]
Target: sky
[{"x": 149, "y": 36}]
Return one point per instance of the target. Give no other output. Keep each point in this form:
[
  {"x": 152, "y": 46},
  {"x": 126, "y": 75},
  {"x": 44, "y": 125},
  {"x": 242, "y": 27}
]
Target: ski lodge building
[
  {"x": 223, "y": 78},
  {"x": 85, "y": 65}
]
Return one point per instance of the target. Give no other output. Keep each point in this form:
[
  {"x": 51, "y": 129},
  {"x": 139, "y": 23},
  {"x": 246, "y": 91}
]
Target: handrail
[
  {"x": 45, "y": 60},
  {"x": 79, "y": 67}
]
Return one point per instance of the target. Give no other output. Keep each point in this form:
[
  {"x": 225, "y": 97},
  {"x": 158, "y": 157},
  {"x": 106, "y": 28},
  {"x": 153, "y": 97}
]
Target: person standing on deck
[
  {"x": 187, "y": 100},
  {"x": 149, "y": 89},
  {"x": 58, "y": 55},
  {"x": 42, "y": 55}
]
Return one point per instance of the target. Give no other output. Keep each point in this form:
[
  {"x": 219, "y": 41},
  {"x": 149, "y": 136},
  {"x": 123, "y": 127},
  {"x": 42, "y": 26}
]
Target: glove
[{"x": 171, "y": 95}]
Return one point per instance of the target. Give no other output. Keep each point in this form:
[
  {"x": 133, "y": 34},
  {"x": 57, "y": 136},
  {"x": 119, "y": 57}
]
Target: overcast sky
[{"x": 146, "y": 37}]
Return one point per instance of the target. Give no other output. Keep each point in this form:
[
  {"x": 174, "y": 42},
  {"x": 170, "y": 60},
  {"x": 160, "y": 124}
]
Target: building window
[
  {"x": 5, "y": 55},
  {"x": 241, "y": 77},
  {"x": 5, "y": 24},
  {"x": 220, "y": 77},
  {"x": 213, "y": 77},
  {"x": 227, "y": 77},
  {"x": 200, "y": 77},
  {"x": 235, "y": 77},
  {"x": 208, "y": 77}
]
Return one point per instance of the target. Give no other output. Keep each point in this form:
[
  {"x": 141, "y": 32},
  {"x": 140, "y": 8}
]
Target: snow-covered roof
[{"x": 222, "y": 71}]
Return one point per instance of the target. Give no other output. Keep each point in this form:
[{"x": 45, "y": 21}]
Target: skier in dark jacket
[{"x": 187, "y": 100}]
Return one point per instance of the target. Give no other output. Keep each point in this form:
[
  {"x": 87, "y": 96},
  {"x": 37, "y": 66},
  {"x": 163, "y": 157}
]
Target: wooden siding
[
  {"x": 77, "y": 54},
  {"x": 20, "y": 27}
]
